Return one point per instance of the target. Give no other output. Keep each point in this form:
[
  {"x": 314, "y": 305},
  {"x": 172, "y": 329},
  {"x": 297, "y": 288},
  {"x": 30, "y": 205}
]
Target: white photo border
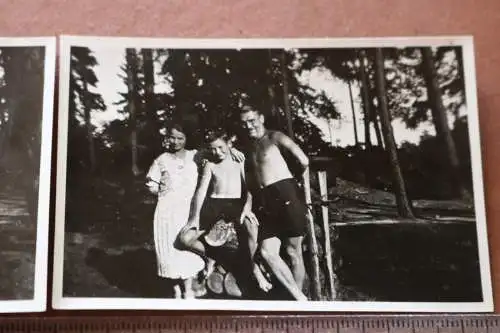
[
  {"x": 39, "y": 301},
  {"x": 92, "y": 303}
]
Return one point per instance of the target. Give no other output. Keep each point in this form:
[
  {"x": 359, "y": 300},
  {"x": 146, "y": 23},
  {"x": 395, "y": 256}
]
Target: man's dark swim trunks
[{"x": 280, "y": 210}]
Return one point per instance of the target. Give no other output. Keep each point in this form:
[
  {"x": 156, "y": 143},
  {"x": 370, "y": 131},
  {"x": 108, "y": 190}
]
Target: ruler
[{"x": 257, "y": 324}]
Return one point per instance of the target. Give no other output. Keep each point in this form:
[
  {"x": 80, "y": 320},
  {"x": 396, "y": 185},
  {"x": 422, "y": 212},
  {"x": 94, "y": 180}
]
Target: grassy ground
[
  {"x": 109, "y": 250},
  {"x": 18, "y": 243}
]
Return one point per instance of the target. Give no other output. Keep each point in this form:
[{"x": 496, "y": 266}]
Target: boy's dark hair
[
  {"x": 214, "y": 134},
  {"x": 249, "y": 108}
]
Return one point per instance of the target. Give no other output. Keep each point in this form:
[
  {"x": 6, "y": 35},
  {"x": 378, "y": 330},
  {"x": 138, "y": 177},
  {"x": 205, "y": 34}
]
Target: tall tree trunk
[
  {"x": 33, "y": 82},
  {"x": 356, "y": 140},
  {"x": 132, "y": 68},
  {"x": 3, "y": 127},
  {"x": 149, "y": 81},
  {"x": 441, "y": 121},
  {"x": 150, "y": 104},
  {"x": 378, "y": 132},
  {"x": 286, "y": 101},
  {"x": 403, "y": 203},
  {"x": 460, "y": 66},
  {"x": 271, "y": 95},
  {"x": 88, "y": 125},
  {"x": 6, "y": 129},
  {"x": 375, "y": 121},
  {"x": 181, "y": 84},
  {"x": 365, "y": 97}
]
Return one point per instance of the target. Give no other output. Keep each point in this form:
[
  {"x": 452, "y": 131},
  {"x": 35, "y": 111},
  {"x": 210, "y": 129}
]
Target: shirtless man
[
  {"x": 281, "y": 212},
  {"x": 225, "y": 178}
]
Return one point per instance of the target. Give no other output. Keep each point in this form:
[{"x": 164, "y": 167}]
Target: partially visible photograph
[
  {"x": 26, "y": 99},
  {"x": 267, "y": 175}
]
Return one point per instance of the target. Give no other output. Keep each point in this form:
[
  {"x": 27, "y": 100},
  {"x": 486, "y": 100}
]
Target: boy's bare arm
[
  {"x": 200, "y": 194},
  {"x": 287, "y": 143}
]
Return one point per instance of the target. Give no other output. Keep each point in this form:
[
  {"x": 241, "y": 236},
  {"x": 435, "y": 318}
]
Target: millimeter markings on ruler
[{"x": 260, "y": 324}]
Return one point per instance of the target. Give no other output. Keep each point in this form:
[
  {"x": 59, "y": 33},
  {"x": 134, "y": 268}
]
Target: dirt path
[{"x": 17, "y": 249}]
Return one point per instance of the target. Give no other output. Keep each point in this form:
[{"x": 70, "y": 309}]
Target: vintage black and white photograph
[
  {"x": 270, "y": 174},
  {"x": 27, "y": 70}
]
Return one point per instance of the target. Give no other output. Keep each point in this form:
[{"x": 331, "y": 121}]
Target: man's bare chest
[{"x": 265, "y": 153}]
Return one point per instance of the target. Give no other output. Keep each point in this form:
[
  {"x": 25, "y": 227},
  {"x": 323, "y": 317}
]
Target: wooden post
[
  {"x": 330, "y": 277},
  {"x": 312, "y": 242}
]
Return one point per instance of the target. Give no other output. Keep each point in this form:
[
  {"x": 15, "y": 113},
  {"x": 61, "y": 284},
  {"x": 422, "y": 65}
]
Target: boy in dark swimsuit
[{"x": 219, "y": 196}]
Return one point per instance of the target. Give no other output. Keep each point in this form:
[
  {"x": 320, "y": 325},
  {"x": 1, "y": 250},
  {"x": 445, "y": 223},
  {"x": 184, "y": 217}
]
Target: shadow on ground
[
  {"x": 131, "y": 271},
  {"x": 415, "y": 262},
  {"x": 17, "y": 249}
]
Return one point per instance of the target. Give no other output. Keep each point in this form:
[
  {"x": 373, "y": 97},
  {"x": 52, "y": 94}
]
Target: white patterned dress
[{"x": 178, "y": 178}]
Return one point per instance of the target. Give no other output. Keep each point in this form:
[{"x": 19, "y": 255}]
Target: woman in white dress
[{"x": 173, "y": 178}]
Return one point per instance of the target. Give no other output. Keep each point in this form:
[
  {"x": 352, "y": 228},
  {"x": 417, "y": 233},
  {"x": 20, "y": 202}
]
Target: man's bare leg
[
  {"x": 293, "y": 246},
  {"x": 270, "y": 251},
  {"x": 252, "y": 234}
]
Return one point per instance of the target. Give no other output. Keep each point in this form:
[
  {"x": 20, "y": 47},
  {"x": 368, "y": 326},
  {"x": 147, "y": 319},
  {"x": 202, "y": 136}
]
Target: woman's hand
[
  {"x": 153, "y": 186},
  {"x": 237, "y": 155},
  {"x": 162, "y": 187}
]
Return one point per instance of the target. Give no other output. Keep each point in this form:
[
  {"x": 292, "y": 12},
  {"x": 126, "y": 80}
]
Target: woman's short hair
[{"x": 178, "y": 127}]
